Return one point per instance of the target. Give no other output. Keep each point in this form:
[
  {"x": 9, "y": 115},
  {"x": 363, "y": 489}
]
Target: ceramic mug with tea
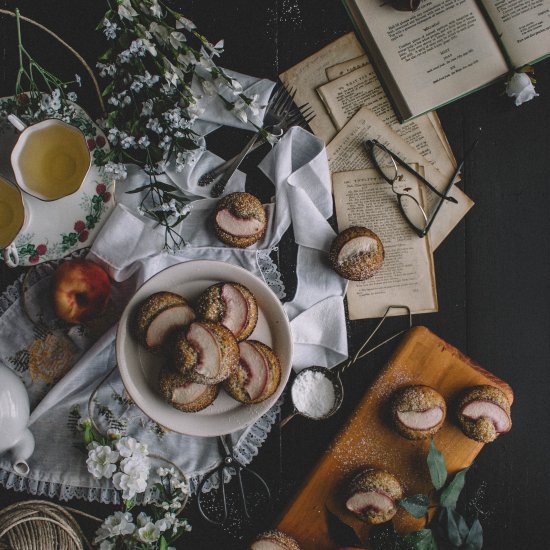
[
  {"x": 50, "y": 159},
  {"x": 12, "y": 218}
]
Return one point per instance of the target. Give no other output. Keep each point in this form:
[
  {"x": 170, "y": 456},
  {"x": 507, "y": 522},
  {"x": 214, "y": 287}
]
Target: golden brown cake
[
  {"x": 257, "y": 376},
  {"x": 418, "y": 412},
  {"x": 274, "y": 540},
  {"x": 484, "y": 413},
  {"x": 373, "y": 495},
  {"x": 240, "y": 220},
  {"x": 183, "y": 394},
  {"x": 159, "y": 315},
  {"x": 206, "y": 352},
  {"x": 356, "y": 253},
  {"x": 232, "y": 305}
]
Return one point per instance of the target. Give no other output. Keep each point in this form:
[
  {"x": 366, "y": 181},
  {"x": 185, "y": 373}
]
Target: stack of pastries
[{"x": 206, "y": 347}]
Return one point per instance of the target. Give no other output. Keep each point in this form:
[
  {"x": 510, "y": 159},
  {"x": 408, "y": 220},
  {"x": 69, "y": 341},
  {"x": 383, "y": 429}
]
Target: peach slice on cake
[
  {"x": 258, "y": 373},
  {"x": 158, "y": 316},
  {"x": 484, "y": 413},
  {"x": 206, "y": 352},
  {"x": 232, "y": 305}
]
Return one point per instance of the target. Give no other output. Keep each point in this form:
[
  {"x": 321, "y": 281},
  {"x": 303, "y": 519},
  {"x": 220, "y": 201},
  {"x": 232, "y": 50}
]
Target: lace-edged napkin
[{"x": 130, "y": 248}]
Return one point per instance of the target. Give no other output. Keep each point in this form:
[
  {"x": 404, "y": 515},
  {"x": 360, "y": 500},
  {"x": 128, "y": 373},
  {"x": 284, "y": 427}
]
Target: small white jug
[{"x": 14, "y": 419}]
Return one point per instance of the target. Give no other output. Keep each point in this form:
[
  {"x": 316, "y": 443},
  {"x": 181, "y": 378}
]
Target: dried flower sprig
[
  {"x": 39, "y": 93},
  {"x": 153, "y": 56}
]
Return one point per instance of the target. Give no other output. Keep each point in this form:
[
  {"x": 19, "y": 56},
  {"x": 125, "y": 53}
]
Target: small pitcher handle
[
  {"x": 17, "y": 123},
  {"x": 11, "y": 256}
]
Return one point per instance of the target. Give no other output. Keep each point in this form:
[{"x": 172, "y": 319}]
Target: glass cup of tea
[
  {"x": 12, "y": 218},
  {"x": 50, "y": 159}
]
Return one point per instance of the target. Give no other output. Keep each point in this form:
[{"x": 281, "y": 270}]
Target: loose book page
[
  {"x": 346, "y": 67},
  {"x": 523, "y": 27},
  {"x": 361, "y": 88},
  {"x": 435, "y": 54},
  {"x": 307, "y": 75},
  {"x": 407, "y": 275},
  {"x": 347, "y": 152}
]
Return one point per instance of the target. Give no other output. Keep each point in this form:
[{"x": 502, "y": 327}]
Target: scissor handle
[
  {"x": 200, "y": 494},
  {"x": 242, "y": 468}
]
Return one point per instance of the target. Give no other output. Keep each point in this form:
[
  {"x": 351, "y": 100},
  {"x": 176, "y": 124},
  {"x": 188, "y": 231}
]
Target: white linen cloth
[{"x": 130, "y": 248}]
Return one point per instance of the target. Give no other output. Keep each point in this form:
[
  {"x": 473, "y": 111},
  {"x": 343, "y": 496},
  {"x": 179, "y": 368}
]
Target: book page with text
[
  {"x": 361, "y": 88},
  {"x": 307, "y": 75},
  {"x": 523, "y": 26},
  {"x": 407, "y": 275},
  {"x": 340, "y": 69},
  {"x": 437, "y": 53},
  {"x": 347, "y": 152}
]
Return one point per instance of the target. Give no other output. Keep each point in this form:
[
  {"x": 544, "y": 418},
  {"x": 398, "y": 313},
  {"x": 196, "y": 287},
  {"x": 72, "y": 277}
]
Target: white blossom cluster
[
  {"x": 155, "y": 54},
  {"x": 127, "y": 464},
  {"x": 126, "y": 461}
]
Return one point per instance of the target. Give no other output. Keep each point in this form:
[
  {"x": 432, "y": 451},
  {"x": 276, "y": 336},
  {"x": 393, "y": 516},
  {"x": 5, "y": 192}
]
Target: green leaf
[
  {"x": 417, "y": 505},
  {"x": 88, "y": 434},
  {"x": 139, "y": 189},
  {"x": 163, "y": 545},
  {"x": 450, "y": 494},
  {"x": 474, "y": 540},
  {"x": 421, "y": 540},
  {"x": 455, "y": 526},
  {"x": 436, "y": 465}
]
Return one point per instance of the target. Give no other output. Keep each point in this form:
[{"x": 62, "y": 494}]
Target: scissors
[{"x": 230, "y": 462}]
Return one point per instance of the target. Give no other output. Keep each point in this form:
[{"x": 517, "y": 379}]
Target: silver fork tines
[{"x": 279, "y": 116}]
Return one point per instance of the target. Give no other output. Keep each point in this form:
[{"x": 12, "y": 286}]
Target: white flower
[
  {"x": 120, "y": 523},
  {"x": 160, "y": 31},
  {"x": 148, "y": 533},
  {"x": 132, "y": 478},
  {"x": 116, "y": 171},
  {"x": 520, "y": 87},
  {"x": 107, "y": 545},
  {"x": 156, "y": 10},
  {"x": 126, "y": 10},
  {"x": 128, "y": 142},
  {"x": 71, "y": 96},
  {"x": 187, "y": 58},
  {"x": 143, "y": 519},
  {"x": 144, "y": 142},
  {"x": 239, "y": 110},
  {"x": 184, "y": 23},
  {"x": 176, "y": 39},
  {"x": 101, "y": 461},
  {"x": 147, "y": 108},
  {"x": 108, "y": 69},
  {"x": 163, "y": 524},
  {"x": 110, "y": 29},
  {"x": 128, "y": 446},
  {"x": 78, "y": 80},
  {"x": 153, "y": 124}
]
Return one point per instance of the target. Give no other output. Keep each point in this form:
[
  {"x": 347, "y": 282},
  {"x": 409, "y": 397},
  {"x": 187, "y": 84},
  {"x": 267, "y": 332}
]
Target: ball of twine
[{"x": 40, "y": 525}]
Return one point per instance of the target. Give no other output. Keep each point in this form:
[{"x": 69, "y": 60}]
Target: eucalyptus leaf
[
  {"x": 474, "y": 540},
  {"x": 455, "y": 526},
  {"x": 421, "y": 540},
  {"x": 417, "y": 505},
  {"x": 436, "y": 465},
  {"x": 450, "y": 494}
]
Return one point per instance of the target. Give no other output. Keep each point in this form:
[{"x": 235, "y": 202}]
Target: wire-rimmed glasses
[{"x": 386, "y": 163}]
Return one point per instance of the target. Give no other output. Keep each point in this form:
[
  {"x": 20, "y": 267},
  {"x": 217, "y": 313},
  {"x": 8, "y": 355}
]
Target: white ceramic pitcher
[{"x": 14, "y": 419}]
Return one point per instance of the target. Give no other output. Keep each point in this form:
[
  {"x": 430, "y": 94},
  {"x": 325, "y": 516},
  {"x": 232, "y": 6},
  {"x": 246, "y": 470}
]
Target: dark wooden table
[{"x": 493, "y": 272}]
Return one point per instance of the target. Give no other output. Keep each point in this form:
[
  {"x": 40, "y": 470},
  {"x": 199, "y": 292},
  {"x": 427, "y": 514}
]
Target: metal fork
[
  {"x": 278, "y": 110},
  {"x": 295, "y": 118}
]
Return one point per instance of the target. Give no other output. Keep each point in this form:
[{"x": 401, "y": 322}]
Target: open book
[{"x": 449, "y": 48}]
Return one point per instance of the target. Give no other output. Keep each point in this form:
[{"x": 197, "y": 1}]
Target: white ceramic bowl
[{"x": 140, "y": 369}]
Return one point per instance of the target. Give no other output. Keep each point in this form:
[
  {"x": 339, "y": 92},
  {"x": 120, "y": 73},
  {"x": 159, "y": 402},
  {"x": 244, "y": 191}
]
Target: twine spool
[{"x": 40, "y": 525}]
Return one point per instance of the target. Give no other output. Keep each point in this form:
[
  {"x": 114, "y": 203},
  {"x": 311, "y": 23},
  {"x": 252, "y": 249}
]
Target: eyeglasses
[
  {"x": 386, "y": 163},
  {"x": 405, "y": 5}
]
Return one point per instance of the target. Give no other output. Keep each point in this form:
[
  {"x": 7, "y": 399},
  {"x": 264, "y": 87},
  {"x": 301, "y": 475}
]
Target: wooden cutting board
[{"x": 368, "y": 440}]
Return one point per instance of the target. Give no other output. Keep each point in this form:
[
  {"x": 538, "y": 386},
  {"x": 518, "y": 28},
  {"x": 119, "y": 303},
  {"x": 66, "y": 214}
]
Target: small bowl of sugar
[{"x": 316, "y": 392}]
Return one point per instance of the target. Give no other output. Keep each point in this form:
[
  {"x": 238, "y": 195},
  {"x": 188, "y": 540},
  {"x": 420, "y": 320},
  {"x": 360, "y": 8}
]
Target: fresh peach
[{"x": 81, "y": 290}]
